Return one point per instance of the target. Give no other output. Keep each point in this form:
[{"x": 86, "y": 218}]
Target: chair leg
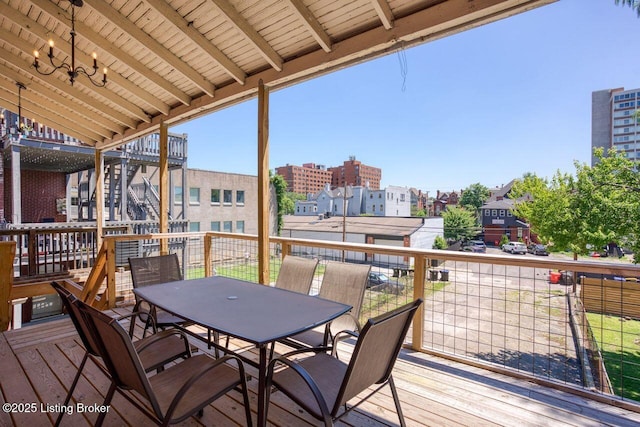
[
  {"x": 107, "y": 401},
  {"x": 396, "y": 400},
  {"x": 73, "y": 386}
]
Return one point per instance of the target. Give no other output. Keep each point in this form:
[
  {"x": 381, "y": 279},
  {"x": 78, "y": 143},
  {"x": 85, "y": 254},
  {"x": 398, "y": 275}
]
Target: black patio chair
[{"x": 323, "y": 385}]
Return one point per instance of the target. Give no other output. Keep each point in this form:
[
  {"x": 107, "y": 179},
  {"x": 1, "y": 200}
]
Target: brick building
[
  {"x": 353, "y": 172},
  {"x": 306, "y": 179}
]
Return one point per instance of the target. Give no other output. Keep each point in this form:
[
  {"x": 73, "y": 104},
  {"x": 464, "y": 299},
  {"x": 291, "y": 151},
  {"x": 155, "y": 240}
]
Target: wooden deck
[{"x": 37, "y": 364}]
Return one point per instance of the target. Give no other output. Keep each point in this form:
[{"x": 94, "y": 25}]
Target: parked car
[
  {"x": 537, "y": 249},
  {"x": 515, "y": 248},
  {"x": 474, "y": 246},
  {"x": 380, "y": 282}
]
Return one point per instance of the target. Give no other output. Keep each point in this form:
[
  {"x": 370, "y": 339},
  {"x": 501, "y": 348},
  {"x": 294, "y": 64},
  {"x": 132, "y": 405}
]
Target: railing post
[
  {"x": 286, "y": 249},
  {"x": 7, "y": 255},
  {"x": 208, "y": 270},
  {"x": 110, "y": 245},
  {"x": 419, "y": 277},
  {"x": 32, "y": 251}
]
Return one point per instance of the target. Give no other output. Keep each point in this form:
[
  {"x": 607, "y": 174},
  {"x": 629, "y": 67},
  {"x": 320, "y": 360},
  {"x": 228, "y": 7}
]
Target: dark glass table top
[{"x": 252, "y": 312}]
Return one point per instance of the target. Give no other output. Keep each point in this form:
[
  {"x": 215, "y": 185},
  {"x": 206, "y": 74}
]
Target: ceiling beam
[
  {"x": 311, "y": 24},
  {"x": 252, "y": 36},
  {"x": 66, "y": 88},
  {"x": 198, "y": 39},
  {"x": 151, "y": 45},
  {"x": 95, "y": 38},
  {"x": 41, "y": 115},
  {"x": 384, "y": 13}
]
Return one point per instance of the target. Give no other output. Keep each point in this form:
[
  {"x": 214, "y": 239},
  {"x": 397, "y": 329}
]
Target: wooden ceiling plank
[
  {"x": 241, "y": 24},
  {"x": 100, "y": 122},
  {"x": 151, "y": 44},
  {"x": 198, "y": 39},
  {"x": 312, "y": 25},
  {"x": 59, "y": 84},
  {"x": 44, "y": 116},
  {"x": 44, "y": 34},
  {"x": 384, "y": 12},
  {"x": 425, "y": 25}
]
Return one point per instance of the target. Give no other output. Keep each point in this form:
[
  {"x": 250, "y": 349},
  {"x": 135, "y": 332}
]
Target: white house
[{"x": 391, "y": 201}]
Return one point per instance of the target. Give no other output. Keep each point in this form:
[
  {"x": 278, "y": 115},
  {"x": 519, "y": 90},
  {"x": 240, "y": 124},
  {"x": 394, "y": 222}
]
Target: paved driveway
[{"x": 507, "y": 315}]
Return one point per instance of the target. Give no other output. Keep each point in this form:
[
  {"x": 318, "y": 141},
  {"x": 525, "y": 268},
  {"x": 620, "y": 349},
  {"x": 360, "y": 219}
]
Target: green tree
[
  {"x": 474, "y": 196},
  {"x": 607, "y": 198},
  {"x": 548, "y": 207},
  {"x": 459, "y": 223},
  {"x": 280, "y": 186},
  {"x": 634, "y": 4}
]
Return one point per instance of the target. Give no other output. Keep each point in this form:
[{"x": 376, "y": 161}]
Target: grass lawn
[{"x": 619, "y": 342}]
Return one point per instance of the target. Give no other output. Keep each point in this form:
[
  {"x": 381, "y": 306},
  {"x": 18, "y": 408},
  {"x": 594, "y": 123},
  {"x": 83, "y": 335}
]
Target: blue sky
[{"x": 485, "y": 105}]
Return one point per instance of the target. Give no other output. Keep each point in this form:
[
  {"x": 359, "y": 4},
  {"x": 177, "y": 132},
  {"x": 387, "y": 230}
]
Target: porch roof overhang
[{"x": 170, "y": 61}]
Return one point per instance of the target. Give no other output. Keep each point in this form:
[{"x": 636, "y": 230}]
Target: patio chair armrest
[
  {"x": 211, "y": 364},
  {"x": 322, "y": 349},
  {"x": 342, "y": 336},
  {"x": 133, "y": 315},
  {"x": 149, "y": 341},
  {"x": 306, "y": 377}
]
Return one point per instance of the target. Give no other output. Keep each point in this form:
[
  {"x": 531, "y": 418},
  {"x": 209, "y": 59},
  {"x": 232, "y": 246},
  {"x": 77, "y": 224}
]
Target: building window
[
  {"x": 374, "y": 208},
  {"x": 215, "y": 225},
  {"x": 402, "y": 197},
  {"x": 194, "y": 226},
  {"x": 240, "y": 197},
  {"x": 501, "y": 212},
  {"x": 381, "y": 207},
  {"x": 486, "y": 212},
  {"x": 494, "y": 212},
  {"x": 239, "y": 226},
  {"x": 194, "y": 196},
  {"x": 177, "y": 195},
  {"x": 227, "y": 226},
  {"x": 215, "y": 196},
  {"x": 227, "y": 197},
  {"x": 509, "y": 214}
]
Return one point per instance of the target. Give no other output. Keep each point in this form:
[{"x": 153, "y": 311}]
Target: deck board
[{"x": 38, "y": 364}]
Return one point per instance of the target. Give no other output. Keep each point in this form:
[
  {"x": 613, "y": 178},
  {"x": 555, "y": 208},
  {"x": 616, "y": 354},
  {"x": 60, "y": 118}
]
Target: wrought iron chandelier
[{"x": 72, "y": 70}]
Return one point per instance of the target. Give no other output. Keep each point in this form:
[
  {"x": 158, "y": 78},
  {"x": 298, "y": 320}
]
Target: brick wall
[{"x": 39, "y": 191}]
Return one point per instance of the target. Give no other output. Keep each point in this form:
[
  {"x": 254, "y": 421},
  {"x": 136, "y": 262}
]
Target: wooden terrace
[{"x": 39, "y": 362}]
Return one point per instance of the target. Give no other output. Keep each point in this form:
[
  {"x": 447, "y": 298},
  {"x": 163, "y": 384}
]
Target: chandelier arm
[
  {"x": 43, "y": 73},
  {"x": 84, "y": 71}
]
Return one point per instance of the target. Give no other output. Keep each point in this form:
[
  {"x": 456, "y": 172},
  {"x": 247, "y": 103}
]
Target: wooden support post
[
  {"x": 110, "y": 293},
  {"x": 7, "y": 255},
  {"x": 208, "y": 266},
  {"x": 99, "y": 173},
  {"x": 263, "y": 183},
  {"x": 164, "y": 186},
  {"x": 419, "y": 278}
]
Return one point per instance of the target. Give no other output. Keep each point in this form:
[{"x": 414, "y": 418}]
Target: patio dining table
[{"x": 249, "y": 311}]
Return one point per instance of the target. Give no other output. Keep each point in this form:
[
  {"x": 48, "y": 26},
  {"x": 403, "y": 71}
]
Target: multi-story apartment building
[
  {"x": 613, "y": 123},
  {"x": 306, "y": 179},
  {"x": 311, "y": 178},
  {"x": 353, "y": 172}
]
